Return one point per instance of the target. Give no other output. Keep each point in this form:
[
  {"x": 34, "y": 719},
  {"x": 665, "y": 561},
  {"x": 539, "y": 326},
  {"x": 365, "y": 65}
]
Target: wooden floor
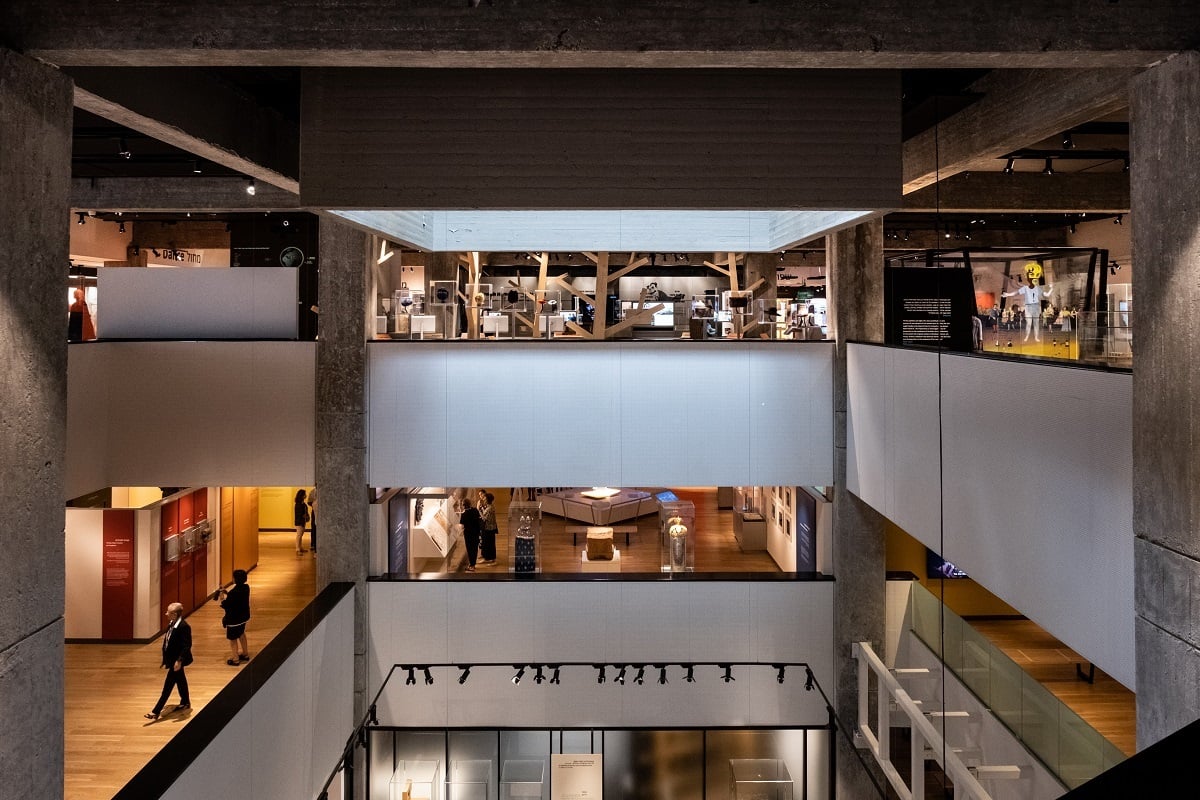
[
  {"x": 1105, "y": 705},
  {"x": 716, "y": 549},
  {"x": 109, "y": 687}
]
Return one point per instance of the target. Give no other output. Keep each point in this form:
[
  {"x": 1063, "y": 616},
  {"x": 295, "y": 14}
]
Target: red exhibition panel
[
  {"x": 186, "y": 579},
  {"x": 116, "y": 614},
  {"x": 200, "y": 584},
  {"x": 170, "y": 590},
  {"x": 170, "y": 519},
  {"x": 199, "y": 505},
  {"x": 185, "y": 512}
]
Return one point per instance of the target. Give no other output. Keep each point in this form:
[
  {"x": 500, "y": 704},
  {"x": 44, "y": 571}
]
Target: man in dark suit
[{"x": 176, "y": 654}]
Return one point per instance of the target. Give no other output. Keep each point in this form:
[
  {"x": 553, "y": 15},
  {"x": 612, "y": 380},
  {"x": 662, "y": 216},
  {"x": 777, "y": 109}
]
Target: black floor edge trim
[{"x": 177, "y": 755}]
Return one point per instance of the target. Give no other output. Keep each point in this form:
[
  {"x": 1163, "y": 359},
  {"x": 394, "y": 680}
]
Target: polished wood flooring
[
  {"x": 1106, "y": 705},
  {"x": 716, "y": 549},
  {"x": 110, "y": 686}
]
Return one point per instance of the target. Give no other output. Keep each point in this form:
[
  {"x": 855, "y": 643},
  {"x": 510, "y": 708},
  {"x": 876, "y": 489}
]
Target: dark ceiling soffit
[{"x": 564, "y": 33}]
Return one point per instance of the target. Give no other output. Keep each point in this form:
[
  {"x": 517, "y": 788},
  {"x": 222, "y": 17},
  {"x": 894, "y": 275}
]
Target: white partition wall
[
  {"x": 190, "y": 414},
  {"x": 532, "y": 414},
  {"x": 186, "y": 303},
  {"x": 1034, "y": 472},
  {"x": 290, "y": 734},
  {"x": 602, "y": 622}
]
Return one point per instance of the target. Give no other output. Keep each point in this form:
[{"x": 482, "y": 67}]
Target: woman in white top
[{"x": 1031, "y": 296}]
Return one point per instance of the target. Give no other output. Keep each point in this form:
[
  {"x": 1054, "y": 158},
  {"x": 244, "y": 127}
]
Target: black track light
[
  {"x": 809, "y": 679},
  {"x": 1125, "y": 168},
  {"x": 640, "y": 678},
  {"x": 250, "y": 187},
  {"x": 1049, "y": 168},
  {"x": 195, "y": 167},
  {"x": 728, "y": 676},
  {"x": 411, "y": 680},
  {"x": 1119, "y": 219},
  {"x": 662, "y": 674},
  {"x": 554, "y": 678},
  {"x": 688, "y": 674},
  {"x": 373, "y": 715},
  {"x": 1067, "y": 142},
  {"x": 1072, "y": 227},
  {"x": 779, "y": 671},
  {"x": 121, "y": 228},
  {"x": 1008, "y": 168},
  {"x": 82, "y": 218},
  {"x": 466, "y": 673},
  {"x": 538, "y": 677},
  {"x": 621, "y": 675},
  {"x": 516, "y": 679},
  {"x": 600, "y": 677},
  {"x": 428, "y": 676},
  {"x": 124, "y": 151}
]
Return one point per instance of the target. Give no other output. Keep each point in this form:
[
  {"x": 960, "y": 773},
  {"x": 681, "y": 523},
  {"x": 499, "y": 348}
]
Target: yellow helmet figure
[{"x": 1033, "y": 271}]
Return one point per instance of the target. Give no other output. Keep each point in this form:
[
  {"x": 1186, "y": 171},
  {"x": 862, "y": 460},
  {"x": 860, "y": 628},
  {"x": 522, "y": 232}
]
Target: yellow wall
[
  {"x": 963, "y": 596},
  {"x": 275, "y": 506}
]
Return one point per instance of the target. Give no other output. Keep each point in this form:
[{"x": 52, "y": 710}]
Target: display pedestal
[
  {"x": 750, "y": 530},
  {"x": 600, "y": 566}
]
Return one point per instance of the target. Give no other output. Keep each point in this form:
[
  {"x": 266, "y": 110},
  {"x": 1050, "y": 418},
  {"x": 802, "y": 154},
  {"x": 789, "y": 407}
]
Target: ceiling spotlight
[
  {"x": 538, "y": 677},
  {"x": 1126, "y": 162},
  {"x": 779, "y": 670},
  {"x": 621, "y": 675},
  {"x": 82, "y": 218},
  {"x": 728, "y": 676},
  {"x": 195, "y": 167},
  {"x": 1008, "y": 168},
  {"x": 428, "y": 676},
  {"x": 1119, "y": 220},
  {"x": 1113, "y": 266},
  {"x": 411, "y": 680},
  {"x": 250, "y": 187},
  {"x": 662, "y": 674},
  {"x": 688, "y": 676},
  {"x": 121, "y": 228},
  {"x": 373, "y": 715},
  {"x": 600, "y": 673},
  {"x": 809, "y": 679},
  {"x": 286, "y": 223},
  {"x": 466, "y": 673},
  {"x": 516, "y": 679},
  {"x": 640, "y": 678},
  {"x": 1049, "y": 168},
  {"x": 1072, "y": 228},
  {"x": 156, "y": 253},
  {"x": 554, "y": 678},
  {"x": 124, "y": 151},
  {"x": 1067, "y": 142}
]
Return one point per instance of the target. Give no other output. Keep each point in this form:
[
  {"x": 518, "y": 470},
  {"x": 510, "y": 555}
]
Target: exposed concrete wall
[
  {"x": 855, "y": 257},
  {"x": 341, "y": 458},
  {"x": 1165, "y": 115},
  {"x": 35, "y": 171}
]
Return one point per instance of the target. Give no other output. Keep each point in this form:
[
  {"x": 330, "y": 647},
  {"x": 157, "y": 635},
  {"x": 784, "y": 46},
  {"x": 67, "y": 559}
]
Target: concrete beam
[
  {"x": 605, "y": 33},
  {"x": 199, "y": 114},
  {"x": 166, "y": 195},
  {"x": 1018, "y": 108},
  {"x": 995, "y": 192},
  {"x": 1023, "y": 239}
]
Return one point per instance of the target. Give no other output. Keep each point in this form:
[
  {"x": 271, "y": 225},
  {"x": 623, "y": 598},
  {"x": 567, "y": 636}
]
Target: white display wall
[
  {"x": 190, "y": 414},
  {"x": 186, "y": 303},
  {"x": 636, "y": 414},
  {"x": 600, "y": 622},
  {"x": 1036, "y": 477}
]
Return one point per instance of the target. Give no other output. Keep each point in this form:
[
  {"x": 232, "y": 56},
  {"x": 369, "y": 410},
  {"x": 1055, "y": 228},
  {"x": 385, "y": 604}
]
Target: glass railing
[
  {"x": 1069, "y": 747},
  {"x": 1106, "y": 337}
]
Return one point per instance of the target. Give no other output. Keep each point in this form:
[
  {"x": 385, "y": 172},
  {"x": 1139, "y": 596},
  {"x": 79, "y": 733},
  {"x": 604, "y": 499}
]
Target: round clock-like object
[{"x": 291, "y": 257}]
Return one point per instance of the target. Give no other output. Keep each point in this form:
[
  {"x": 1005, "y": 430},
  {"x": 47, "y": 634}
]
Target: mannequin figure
[{"x": 1032, "y": 295}]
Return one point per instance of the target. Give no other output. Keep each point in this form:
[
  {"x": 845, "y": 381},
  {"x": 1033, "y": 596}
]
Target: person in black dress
[
  {"x": 471, "y": 523},
  {"x": 300, "y": 519},
  {"x": 488, "y": 527},
  {"x": 176, "y": 655},
  {"x": 236, "y": 603}
]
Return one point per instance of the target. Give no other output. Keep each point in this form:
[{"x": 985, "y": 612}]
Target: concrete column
[
  {"x": 35, "y": 180},
  {"x": 1165, "y": 115},
  {"x": 341, "y": 458},
  {"x": 441, "y": 267},
  {"x": 855, "y": 259}
]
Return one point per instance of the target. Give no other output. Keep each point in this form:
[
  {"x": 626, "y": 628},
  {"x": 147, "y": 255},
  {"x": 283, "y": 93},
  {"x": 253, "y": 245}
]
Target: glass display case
[
  {"x": 525, "y": 531},
  {"x": 443, "y": 296},
  {"x": 417, "y": 780},
  {"x": 677, "y": 526},
  {"x": 547, "y": 306},
  {"x": 469, "y": 780},
  {"x": 406, "y": 304},
  {"x": 522, "y": 779},
  {"x": 479, "y": 295},
  {"x": 740, "y": 305},
  {"x": 759, "y": 779}
]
